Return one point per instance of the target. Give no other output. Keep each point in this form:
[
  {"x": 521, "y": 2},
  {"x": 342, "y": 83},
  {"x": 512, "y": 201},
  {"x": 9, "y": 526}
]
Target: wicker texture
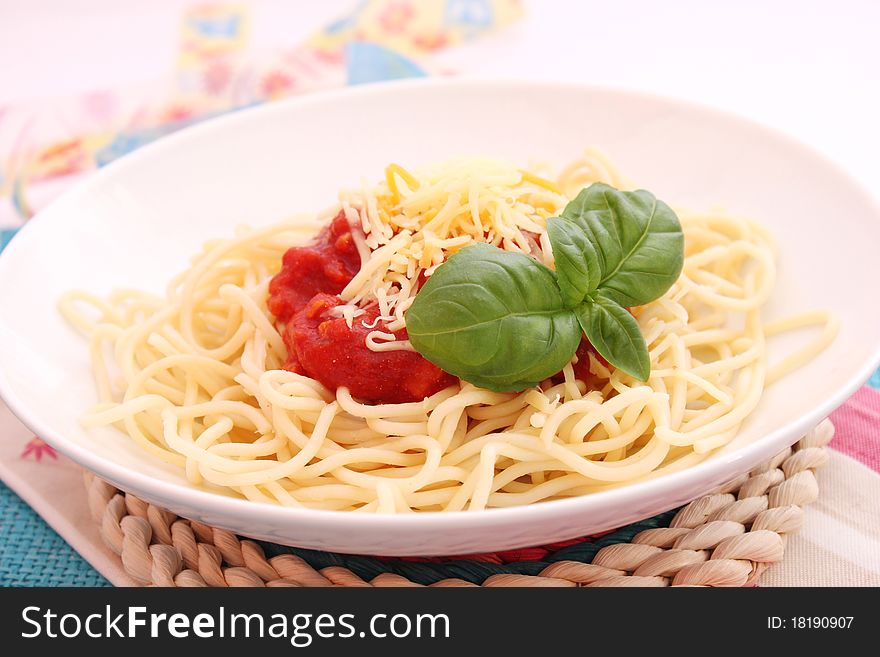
[{"x": 726, "y": 538}]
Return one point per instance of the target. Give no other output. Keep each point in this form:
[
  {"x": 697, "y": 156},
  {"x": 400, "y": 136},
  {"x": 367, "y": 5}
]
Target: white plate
[{"x": 136, "y": 223}]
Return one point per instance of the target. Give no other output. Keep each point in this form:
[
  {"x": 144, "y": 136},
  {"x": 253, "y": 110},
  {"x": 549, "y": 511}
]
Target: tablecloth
[{"x": 222, "y": 61}]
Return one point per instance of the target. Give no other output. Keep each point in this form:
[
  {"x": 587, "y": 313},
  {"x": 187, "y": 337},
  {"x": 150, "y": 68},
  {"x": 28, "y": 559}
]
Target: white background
[{"x": 810, "y": 68}]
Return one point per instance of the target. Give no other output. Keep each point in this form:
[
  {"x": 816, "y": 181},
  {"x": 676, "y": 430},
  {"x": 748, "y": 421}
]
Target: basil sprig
[{"x": 505, "y": 322}]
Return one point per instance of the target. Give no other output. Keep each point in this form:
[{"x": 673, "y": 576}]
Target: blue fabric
[
  {"x": 6, "y": 236},
  {"x": 874, "y": 381},
  {"x": 32, "y": 554},
  {"x": 370, "y": 62}
]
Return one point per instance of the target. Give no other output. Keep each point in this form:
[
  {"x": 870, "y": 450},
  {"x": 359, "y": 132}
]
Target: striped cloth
[{"x": 46, "y": 534}]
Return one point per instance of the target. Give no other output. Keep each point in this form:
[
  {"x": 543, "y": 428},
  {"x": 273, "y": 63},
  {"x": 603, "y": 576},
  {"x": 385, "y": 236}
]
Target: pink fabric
[{"x": 857, "y": 425}]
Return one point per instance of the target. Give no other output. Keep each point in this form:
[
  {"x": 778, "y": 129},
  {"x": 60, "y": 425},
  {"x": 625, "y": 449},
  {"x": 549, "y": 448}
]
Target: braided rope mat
[{"x": 726, "y": 538}]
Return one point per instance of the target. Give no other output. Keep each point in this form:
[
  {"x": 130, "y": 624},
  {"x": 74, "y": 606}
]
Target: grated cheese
[{"x": 413, "y": 221}]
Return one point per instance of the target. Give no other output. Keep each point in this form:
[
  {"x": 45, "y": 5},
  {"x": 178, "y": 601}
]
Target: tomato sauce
[
  {"x": 323, "y": 347},
  {"x": 582, "y": 366},
  {"x": 326, "y": 265}
]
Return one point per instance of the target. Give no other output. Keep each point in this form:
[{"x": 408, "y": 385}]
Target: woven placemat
[{"x": 726, "y": 538}]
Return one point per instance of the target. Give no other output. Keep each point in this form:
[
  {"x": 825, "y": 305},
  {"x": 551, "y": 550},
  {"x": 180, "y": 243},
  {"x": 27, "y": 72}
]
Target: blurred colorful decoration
[
  {"x": 37, "y": 449},
  {"x": 413, "y": 27},
  {"x": 211, "y": 32},
  {"x": 46, "y": 146},
  {"x": 370, "y": 62}
]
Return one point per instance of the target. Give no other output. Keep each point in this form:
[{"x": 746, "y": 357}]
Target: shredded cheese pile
[{"x": 413, "y": 221}]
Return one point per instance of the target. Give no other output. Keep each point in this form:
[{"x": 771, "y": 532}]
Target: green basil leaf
[
  {"x": 578, "y": 269},
  {"x": 493, "y": 318},
  {"x": 615, "y": 334},
  {"x": 638, "y": 240}
]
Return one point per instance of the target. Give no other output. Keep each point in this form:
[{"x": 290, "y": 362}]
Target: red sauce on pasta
[
  {"x": 325, "y": 348},
  {"x": 322, "y": 345},
  {"x": 325, "y": 265}
]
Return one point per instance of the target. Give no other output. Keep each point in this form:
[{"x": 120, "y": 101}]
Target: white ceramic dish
[{"x": 136, "y": 223}]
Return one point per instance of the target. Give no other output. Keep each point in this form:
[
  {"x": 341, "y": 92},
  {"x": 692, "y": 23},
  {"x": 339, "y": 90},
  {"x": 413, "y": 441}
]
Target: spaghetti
[{"x": 195, "y": 377}]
